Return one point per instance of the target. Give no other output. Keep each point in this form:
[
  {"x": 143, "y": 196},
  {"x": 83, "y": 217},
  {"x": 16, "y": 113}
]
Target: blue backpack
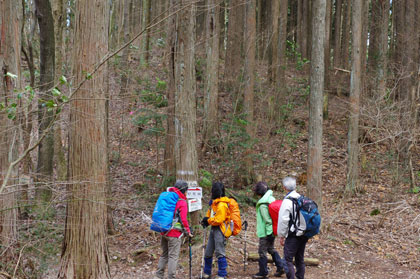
[
  {"x": 308, "y": 209},
  {"x": 163, "y": 214}
]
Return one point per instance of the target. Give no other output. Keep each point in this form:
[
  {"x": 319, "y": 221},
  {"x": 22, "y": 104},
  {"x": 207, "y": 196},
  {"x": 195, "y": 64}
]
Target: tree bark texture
[
  {"x": 345, "y": 43},
  {"x": 378, "y": 56},
  {"x": 10, "y": 46},
  {"x": 169, "y": 155},
  {"x": 354, "y": 101},
  {"x": 234, "y": 48},
  {"x": 316, "y": 99},
  {"x": 211, "y": 108},
  {"x": 186, "y": 158},
  {"x": 59, "y": 15},
  {"x": 185, "y": 93},
  {"x": 45, "y": 116},
  {"x": 327, "y": 57},
  {"x": 272, "y": 58},
  {"x": 85, "y": 252},
  {"x": 305, "y": 28},
  {"x": 337, "y": 32},
  {"x": 249, "y": 81},
  {"x": 124, "y": 84},
  {"x": 280, "y": 66},
  {"x": 146, "y": 39}
]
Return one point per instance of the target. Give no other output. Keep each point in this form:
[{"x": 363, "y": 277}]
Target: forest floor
[{"x": 375, "y": 234}]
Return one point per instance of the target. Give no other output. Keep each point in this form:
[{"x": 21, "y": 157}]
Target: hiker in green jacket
[{"x": 265, "y": 233}]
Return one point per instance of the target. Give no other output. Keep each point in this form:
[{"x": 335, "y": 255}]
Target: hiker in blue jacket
[
  {"x": 265, "y": 233},
  {"x": 292, "y": 237}
]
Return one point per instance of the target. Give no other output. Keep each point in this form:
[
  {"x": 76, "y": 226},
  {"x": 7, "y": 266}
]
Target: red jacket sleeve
[{"x": 183, "y": 211}]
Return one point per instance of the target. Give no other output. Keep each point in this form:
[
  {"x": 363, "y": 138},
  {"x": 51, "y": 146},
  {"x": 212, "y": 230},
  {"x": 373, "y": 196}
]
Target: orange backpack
[{"x": 235, "y": 217}]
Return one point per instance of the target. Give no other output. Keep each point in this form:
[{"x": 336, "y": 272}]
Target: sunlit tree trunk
[
  {"x": 211, "y": 124},
  {"x": 314, "y": 170},
  {"x": 10, "y": 24},
  {"x": 354, "y": 101},
  {"x": 85, "y": 252},
  {"x": 45, "y": 116}
]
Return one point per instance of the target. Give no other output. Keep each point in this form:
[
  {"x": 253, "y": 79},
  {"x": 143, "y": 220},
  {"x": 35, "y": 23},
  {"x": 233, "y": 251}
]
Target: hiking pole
[
  {"x": 190, "y": 261},
  {"x": 202, "y": 259},
  {"x": 245, "y": 225}
]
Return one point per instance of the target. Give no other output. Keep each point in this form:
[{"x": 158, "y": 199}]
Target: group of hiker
[{"x": 287, "y": 222}]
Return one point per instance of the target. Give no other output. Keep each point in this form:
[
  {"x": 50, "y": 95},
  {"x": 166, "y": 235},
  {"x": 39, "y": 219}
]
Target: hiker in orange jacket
[{"x": 217, "y": 217}]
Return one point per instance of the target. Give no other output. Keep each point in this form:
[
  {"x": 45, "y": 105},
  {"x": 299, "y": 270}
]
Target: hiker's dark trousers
[{"x": 294, "y": 247}]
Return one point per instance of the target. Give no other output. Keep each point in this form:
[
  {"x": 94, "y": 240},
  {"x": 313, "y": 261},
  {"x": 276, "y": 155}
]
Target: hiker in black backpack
[
  {"x": 171, "y": 240},
  {"x": 291, "y": 232},
  {"x": 265, "y": 233}
]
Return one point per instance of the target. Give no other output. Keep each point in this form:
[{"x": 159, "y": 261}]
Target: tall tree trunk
[
  {"x": 201, "y": 19},
  {"x": 185, "y": 96},
  {"x": 281, "y": 62},
  {"x": 126, "y": 51},
  {"x": 234, "y": 48},
  {"x": 337, "y": 32},
  {"x": 355, "y": 91},
  {"x": 27, "y": 115},
  {"x": 315, "y": 106},
  {"x": 345, "y": 43},
  {"x": 304, "y": 29},
  {"x": 146, "y": 40},
  {"x": 10, "y": 41},
  {"x": 45, "y": 116},
  {"x": 382, "y": 54},
  {"x": 59, "y": 15},
  {"x": 272, "y": 58},
  {"x": 292, "y": 22},
  {"x": 309, "y": 28},
  {"x": 375, "y": 29},
  {"x": 169, "y": 155},
  {"x": 409, "y": 46},
  {"x": 409, "y": 83},
  {"x": 85, "y": 252},
  {"x": 327, "y": 57},
  {"x": 211, "y": 124},
  {"x": 249, "y": 81},
  {"x": 363, "y": 50},
  {"x": 279, "y": 73}
]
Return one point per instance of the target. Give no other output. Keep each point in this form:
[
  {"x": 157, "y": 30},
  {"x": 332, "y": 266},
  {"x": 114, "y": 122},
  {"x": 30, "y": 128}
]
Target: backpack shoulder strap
[{"x": 294, "y": 218}]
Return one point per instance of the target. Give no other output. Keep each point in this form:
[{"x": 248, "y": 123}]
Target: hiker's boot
[
  {"x": 207, "y": 268},
  {"x": 263, "y": 270},
  {"x": 280, "y": 264},
  {"x": 222, "y": 266}
]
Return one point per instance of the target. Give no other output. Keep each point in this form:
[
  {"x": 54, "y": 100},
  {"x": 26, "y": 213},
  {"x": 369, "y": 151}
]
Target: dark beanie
[{"x": 217, "y": 190}]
